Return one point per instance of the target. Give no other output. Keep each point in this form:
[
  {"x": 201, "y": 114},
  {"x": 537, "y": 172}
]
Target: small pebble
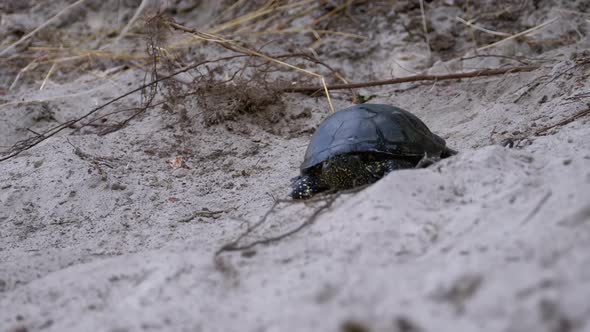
[
  {"x": 118, "y": 186},
  {"x": 354, "y": 326},
  {"x": 543, "y": 99},
  {"x": 507, "y": 143},
  {"x": 181, "y": 172},
  {"x": 248, "y": 253}
]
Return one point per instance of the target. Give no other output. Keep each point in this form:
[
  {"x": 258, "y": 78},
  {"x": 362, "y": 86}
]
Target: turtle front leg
[
  {"x": 427, "y": 161},
  {"x": 305, "y": 186},
  {"x": 379, "y": 169},
  {"x": 394, "y": 164}
]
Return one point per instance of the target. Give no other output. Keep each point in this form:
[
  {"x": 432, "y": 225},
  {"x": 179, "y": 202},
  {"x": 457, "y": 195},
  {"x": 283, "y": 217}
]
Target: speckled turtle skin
[{"x": 360, "y": 144}]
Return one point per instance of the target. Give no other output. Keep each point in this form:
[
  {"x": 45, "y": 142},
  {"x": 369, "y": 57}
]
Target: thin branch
[
  {"x": 235, "y": 245},
  {"x": 27, "y": 144},
  {"x": 563, "y": 122},
  {"x": 537, "y": 207},
  {"x": 415, "y": 78},
  {"x": 233, "y": 46}
]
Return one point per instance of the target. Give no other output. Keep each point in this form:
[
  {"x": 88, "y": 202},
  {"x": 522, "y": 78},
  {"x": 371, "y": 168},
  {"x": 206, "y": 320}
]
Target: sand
[{"x": 107, "y": 233}]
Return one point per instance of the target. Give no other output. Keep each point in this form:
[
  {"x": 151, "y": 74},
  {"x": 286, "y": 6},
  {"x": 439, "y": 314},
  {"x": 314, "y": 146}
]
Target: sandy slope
[{"x": 96, "y": 234}]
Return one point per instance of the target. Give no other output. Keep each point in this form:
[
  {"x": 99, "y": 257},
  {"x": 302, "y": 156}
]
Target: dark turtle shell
[{"x": 375, "y": 128}]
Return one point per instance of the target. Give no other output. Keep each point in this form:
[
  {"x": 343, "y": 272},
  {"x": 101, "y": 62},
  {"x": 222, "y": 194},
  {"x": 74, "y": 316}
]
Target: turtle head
[{"x": 305, "y": 186}]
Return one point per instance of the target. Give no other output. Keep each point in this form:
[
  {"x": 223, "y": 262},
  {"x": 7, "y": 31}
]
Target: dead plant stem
[{"x": 415, "y": 78}]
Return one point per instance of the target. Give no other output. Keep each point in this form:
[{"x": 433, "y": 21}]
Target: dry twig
[
  {"x": 236, "y": 246},
  {"x": 563, "y": 122},
  {"x": 415, "y": 78},
  {"x": 233, "y": 46},
  {"x": 27, "y": 144}
]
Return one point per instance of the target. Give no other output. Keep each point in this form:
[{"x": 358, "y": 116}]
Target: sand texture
[{"x": 122, "y": 231}]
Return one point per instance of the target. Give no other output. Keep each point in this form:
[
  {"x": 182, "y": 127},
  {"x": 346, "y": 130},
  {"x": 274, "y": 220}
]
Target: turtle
[{"x": 360, "y": 144}]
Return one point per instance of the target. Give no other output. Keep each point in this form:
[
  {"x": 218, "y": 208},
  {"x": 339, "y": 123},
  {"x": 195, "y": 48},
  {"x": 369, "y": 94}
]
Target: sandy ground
[{"x": 102, "y": 233}]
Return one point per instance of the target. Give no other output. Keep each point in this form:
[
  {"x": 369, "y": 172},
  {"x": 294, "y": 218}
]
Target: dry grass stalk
[
  {"x": 234, "y": 46},
  {"x": 425, "y": 27},
  {"x": 520, "y": 34},
  {"x": 39, "y": 28},
  {"x": 140, "y": 9},
  {"x": 476, "y": 27}
]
